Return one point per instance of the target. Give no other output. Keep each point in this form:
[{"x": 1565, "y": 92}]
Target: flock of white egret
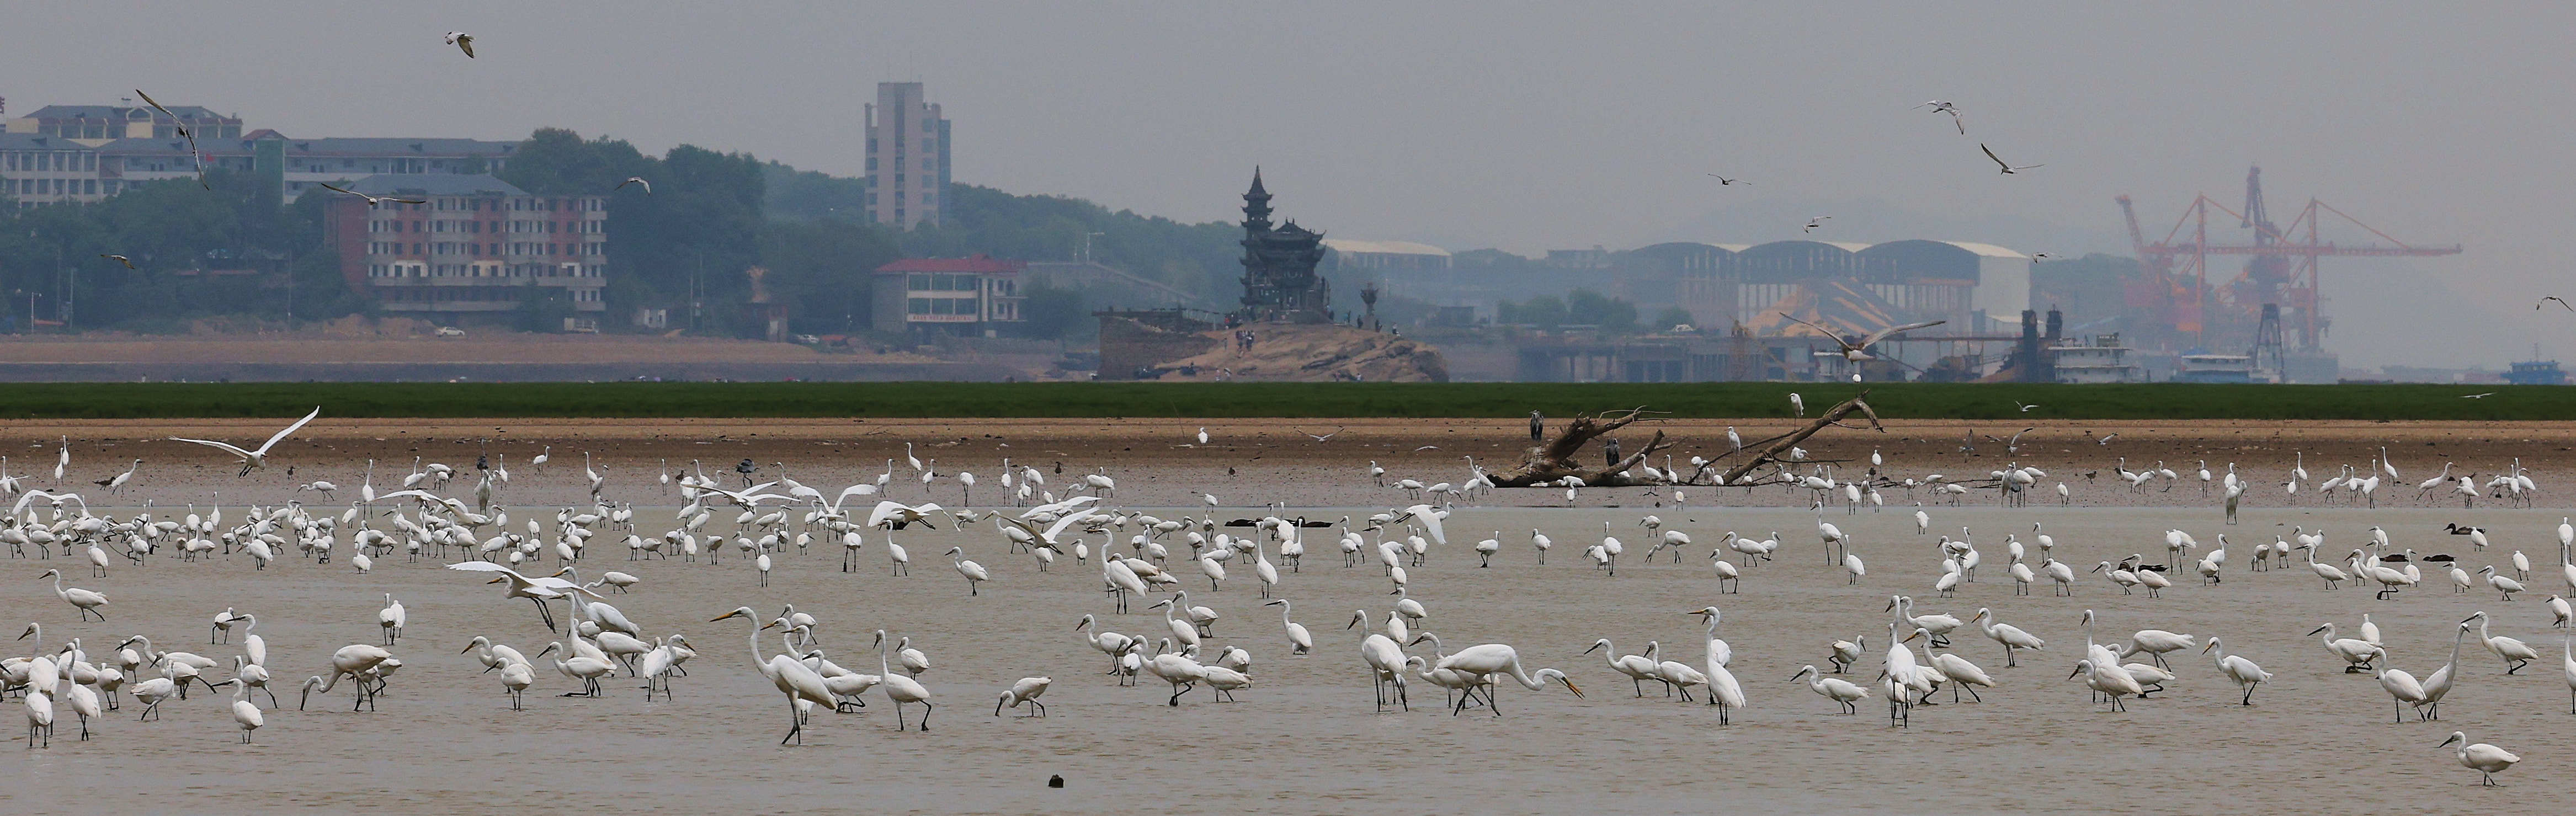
[{"x": 1140, "y": 555}]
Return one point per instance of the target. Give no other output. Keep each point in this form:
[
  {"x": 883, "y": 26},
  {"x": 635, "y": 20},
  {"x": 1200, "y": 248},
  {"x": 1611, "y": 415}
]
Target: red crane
[{"x": 2281, "y": 267}]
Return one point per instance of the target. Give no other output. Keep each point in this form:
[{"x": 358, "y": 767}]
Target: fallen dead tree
[{"x": 1550, "y": 463}]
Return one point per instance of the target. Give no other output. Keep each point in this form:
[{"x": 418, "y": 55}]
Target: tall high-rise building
[{"x": 907, "y": 158}]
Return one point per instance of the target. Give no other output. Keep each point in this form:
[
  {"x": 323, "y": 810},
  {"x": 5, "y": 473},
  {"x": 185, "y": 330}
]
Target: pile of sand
[{"x": 1314, "y": 353}]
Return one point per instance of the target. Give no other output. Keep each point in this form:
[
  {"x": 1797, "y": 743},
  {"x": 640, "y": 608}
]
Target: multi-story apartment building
[
  {"x": 85, "y": 153},
  {"x": 97, "y": 123},
  {"x": 907, "y": 158},
  {"x": 479, "y": 245}
]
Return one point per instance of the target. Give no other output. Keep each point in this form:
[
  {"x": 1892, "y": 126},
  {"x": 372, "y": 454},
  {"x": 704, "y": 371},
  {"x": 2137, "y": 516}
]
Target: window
[
  {"x": 926, "y": 164},
  {"x": 929, "y": 144},
  {"x": 916, "y": 306}
]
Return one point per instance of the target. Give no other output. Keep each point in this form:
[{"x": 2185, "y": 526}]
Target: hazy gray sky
[{"x": 1525, "y": 126}]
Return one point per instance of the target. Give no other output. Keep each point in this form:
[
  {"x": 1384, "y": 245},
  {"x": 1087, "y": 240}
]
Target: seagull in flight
[
  {"x": 1724, "y": 181},
  {"x": 255, "y": 458},
  {"x": 129, "y": 264},
  {"x": 2106, "y": 439},
  {"x": 372, "y": 200},
  {"x": 1940, "y": 106},
  {"x": 1815, "y": 222},
  {"x": 2026, "y": 409},
  {"x": 2478, "y": 396},
  {"x": 1999, "y": 162},
  {"x": 462, "y": 41},
  {"x": 2562, "y": 302},
  {"x": 648, "y": 186},
  {"x": 1325, "y": 437},
  {"x": 1856, "y": 352},
  {"x": 2045, "y": 256},
  {"x": 182, "y": 127},
  {"x": 2013, "y": 445}
]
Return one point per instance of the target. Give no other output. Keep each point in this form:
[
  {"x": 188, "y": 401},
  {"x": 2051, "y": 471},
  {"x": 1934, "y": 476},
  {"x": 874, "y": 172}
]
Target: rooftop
[
  {"x": 978, "y": 262},
  {"x": 441, "y": 184},
  {"x": 1384, "y": 247}
]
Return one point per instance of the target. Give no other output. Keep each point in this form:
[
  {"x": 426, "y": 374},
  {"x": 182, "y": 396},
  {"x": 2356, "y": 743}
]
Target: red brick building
[{"x": 479, "y": 245}]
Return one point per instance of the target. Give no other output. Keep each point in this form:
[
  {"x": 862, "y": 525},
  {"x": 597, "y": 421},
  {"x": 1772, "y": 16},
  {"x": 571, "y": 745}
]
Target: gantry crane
[{"x": 2281, "y": 266}]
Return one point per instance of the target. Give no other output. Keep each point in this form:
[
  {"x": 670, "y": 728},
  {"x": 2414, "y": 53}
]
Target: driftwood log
[
  {"x": 1548, "y": 464},
  {"x": 1770, "y": 453}
]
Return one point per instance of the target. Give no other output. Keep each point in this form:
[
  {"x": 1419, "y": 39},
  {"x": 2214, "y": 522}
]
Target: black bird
[{"x": 1056, "y": 781}]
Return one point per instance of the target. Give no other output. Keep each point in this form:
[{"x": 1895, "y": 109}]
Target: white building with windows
[{"x": 974, "y": 296}]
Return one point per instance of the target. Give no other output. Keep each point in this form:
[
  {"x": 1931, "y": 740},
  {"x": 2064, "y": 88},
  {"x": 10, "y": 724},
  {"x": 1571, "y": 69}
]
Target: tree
[
  {"x": 821, "y": 269},
  {"x": 1544, "y": 311},
  {"x": 1612, "y": 315}
]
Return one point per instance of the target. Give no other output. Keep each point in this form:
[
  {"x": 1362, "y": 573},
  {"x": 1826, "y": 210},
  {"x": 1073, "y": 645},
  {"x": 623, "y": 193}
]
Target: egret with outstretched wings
[{"x": 258, "y": 458}]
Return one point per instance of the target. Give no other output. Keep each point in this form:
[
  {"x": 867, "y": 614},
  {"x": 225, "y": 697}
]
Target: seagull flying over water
[
  {"x": 2477, "y": 396},
  {"x": 1999, "y": 162},
  {"x": 463, "y": 42},
  {"x": 648, "y": 186},
  {"x": 372, "y": 200},
  {"x": 1325, "y": 437},
  {"x": 1815, "y": 222},
  {"x": 2562, "y": 302},
  {"x": 1724, "y": 181},
  {"x": 129, "y": 264}
]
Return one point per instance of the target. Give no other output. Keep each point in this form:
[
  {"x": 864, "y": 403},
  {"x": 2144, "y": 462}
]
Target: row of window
[
  {"x": 594, "y": 249},
  {"x": 941, "y": 306},
  {"x": 39, "y": 160},
  {"x": 103, "y": 130},
  {"x": 898, "y": 198},
  {"x": 484, "y": 270},
  {"x": 516, "y": 226},
  {"x": 928, "y": 164},
  {"x": 53, "y": 186},
  {"x": 486, "y": 294},
  {"x": 947, "y": 282}
]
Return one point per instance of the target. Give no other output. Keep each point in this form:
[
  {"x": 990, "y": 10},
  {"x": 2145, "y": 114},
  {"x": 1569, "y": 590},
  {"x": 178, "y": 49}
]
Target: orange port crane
[{"x": 2282, "y": 267}]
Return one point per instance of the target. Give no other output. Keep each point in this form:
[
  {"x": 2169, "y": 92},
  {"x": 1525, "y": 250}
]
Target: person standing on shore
[{"x": 1538, "y": 426}]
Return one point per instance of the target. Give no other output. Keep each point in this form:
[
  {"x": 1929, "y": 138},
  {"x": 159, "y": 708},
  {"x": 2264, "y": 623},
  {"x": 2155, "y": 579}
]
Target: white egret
[
  {"x": 1024, "y": 691},
  {"x": 2485, "y": 759},
  {"x": 250, "y": 459},
  {"x": 1844, "y": 693}
]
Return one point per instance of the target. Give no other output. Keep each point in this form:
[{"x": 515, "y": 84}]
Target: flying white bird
[
  {"x": 2008, "y": 169},
  {"x": 1859, "y": 351},
  {"x": 372, "y": 200},
  {"x": 463, "y": 42},
  {"x": 257, "y": 458}
]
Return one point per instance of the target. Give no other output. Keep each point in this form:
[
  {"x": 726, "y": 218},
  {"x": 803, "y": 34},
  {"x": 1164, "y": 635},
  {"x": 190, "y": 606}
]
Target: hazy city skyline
[{"x": 1521, "y": 128}]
